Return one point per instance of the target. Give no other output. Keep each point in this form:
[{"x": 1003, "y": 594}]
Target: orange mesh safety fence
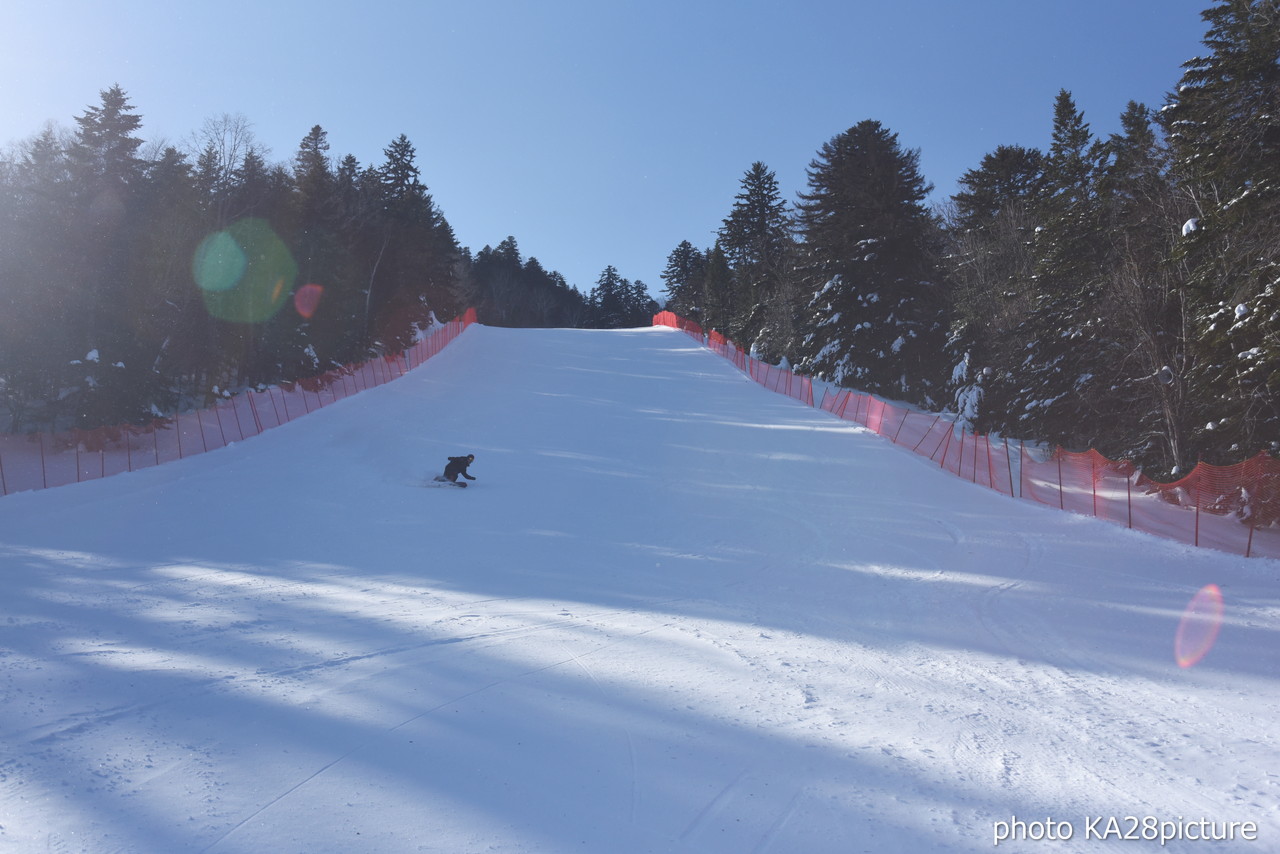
[
  {"x": 774, "y": 378},
  {"x": 972, "y": 457},
  {"x": 1231, "y": 508},
  {"x": 675, "y": 321},
  {"x": 40, "y": 460}
]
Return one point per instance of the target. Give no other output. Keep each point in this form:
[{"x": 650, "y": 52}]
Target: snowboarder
[{"x": 457, "y": 466}]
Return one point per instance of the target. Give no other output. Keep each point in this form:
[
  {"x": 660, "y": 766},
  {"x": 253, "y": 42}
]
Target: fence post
[
  {"x": 926, "y": 435},
  {"x": 203, "y": 440},
  {"x": 253, "y": 408},
  {"x": 1062, "y": 499},
  {"x": 1008, "y": 458},
  {"x": 951, "y": 432},
  {"x": 221, "y": 432},
  {"x": 44, "y": 473},
  {"x": 271, "y": 397},
  {"x": 1128, "y": 497},
  {"x": 991, "y": 469},
  {"x": 905, "y": 414},
  {"x": 1093, "y": 472},
  {"x": 1197, "y": 476},
  {"x": 4, "y": 487}
]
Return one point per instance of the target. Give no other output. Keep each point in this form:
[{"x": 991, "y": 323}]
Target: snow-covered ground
[{"x": 676, "y": 613}]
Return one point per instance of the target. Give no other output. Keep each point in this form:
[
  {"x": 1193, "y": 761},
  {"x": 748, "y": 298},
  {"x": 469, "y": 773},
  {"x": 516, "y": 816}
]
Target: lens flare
[
  {"x": 1201, "y": 622},
  {"x": 219, "y": 263},
  {"x": 245, "y": 272},
  {"x": 307, "y": 299}
]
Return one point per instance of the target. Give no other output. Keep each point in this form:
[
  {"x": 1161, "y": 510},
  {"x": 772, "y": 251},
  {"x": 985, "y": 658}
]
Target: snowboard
[{"x": 439, "y": 481}]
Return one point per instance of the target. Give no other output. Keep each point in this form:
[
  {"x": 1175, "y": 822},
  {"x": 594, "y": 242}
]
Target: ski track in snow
[{"x": 676, "y": 613}]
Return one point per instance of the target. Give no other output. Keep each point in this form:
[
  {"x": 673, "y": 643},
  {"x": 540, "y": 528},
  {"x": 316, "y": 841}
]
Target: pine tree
[
  {"x": 990, "y": 266},
  {"x": 321, "y": 331},
  {"x": 176, "y": 338},
  {"x": 1143, "y": 397},
  {"x": 717, "y": 290},
  {"x": 1225, "y": 132},
  {"x": 756, "y": 240},
  {"x": 108, "y": 367},
  {"x": 617, "y": 303},
  {"x": 876, "y": 311},
  {"x": 105, "y": 153},
  {"x": 1066, "y": 335},
  {"x": 314, "y": 179},
  {"x": 41, "y": 274},
  {"x": 413, "y": 272},
  {"x": 1010, "y": 176},
  {"x": 608, "y": 300},
  {"x": 683, "y": 277}
]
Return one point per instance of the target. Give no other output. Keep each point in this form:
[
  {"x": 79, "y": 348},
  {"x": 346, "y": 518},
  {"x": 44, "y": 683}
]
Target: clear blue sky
[{"x": 599, "y": 132}]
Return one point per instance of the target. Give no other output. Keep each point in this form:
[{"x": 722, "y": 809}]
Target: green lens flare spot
[
  {"x": 219, "y": 263},
  {"x": 245, "y": 272}
]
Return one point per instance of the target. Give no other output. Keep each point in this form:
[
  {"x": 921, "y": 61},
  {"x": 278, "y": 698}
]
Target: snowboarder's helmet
[{"x": 471, "y": 458}]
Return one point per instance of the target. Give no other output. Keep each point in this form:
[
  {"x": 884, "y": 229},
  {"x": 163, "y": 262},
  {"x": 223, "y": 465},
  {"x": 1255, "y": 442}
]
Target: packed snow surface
[{"x": 675, "y": 613}]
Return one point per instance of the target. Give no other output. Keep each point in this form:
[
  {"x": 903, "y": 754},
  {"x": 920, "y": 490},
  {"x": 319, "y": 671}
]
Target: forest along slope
[{"x": 675, "y": 613}]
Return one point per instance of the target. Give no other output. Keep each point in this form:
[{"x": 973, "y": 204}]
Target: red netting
[
  {"x": 40, "y": 461},
  {"x": 1232, "y": 508},
  {"x": 774, "y": 378},
  {"x": 667, "y": 318}
]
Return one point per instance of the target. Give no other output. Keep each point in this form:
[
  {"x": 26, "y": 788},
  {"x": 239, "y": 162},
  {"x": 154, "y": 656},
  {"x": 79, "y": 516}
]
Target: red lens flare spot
[
  {"x": 1201, "y": 622},
  {"x": 307, "y": 299}
]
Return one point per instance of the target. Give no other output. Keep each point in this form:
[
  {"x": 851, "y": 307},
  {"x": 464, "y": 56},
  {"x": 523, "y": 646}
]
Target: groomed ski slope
[{"x": 676, "y": 613}]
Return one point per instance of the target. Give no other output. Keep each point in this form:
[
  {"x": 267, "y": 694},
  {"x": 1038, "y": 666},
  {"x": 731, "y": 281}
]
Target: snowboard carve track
[{"x": 571, "y": 658}]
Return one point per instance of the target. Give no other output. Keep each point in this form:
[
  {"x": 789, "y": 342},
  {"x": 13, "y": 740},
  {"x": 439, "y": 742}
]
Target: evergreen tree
[
  {"x": 1145, "y": 294},
  {"x": 756, "y": 240},
  {"x": 1010, "y": 176},
  {"x": 314, "y": 179},
  {"x": 609, "y": 300},
  {"x": 108, "y": 372},
  {"x": 104, "y": 155},
  {"x": 498, "y": 273},
  {"x": 876, "y": 311},
  {"x": 683, "y": 277},
  {"x": 717, "y": 290},
  {"x": 413, "y": 272},
  {"x": 990, "y": 266},
  {"x": 321, "y": 331},
  {"x": 41, "y": 274},
  {"x": 177, "y": 339},
  {"x": 617, "y": 303},
  {"x": 1225, "y": 132},
  {"x": 1068, "y": 339}
]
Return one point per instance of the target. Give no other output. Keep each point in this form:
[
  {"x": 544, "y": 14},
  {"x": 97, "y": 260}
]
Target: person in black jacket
[{"x": 458, "y": 466}]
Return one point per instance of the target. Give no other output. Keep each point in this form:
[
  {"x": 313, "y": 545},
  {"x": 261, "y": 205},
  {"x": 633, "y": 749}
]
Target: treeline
[
  {"x": 510, "y": 291},
  {"x": 1119, "y": 293},
  {"x": 136, "y": 282}
]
